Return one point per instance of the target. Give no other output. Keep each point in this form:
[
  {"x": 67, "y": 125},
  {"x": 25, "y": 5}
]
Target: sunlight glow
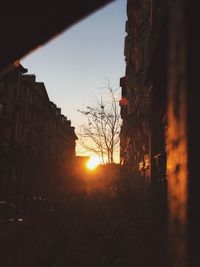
[{"x": 93, "y": 163}]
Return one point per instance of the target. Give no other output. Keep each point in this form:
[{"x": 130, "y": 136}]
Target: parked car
[{"x": 9, "y": 213}]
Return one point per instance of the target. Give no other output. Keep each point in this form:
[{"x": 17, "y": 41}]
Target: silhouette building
[
  {"x": 143, "y": 103},
  {"x": 37, "y": 142}
]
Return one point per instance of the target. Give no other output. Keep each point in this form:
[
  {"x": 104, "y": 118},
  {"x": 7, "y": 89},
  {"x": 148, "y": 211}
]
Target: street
[{"x": 89, "y": 230}]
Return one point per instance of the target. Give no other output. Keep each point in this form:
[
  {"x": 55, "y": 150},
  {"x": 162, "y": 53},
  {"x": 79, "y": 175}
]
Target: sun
[{"x": 93, "y": 163}]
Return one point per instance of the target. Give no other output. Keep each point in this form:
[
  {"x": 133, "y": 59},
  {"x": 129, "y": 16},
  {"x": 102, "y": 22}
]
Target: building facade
[
  {"x": 144, "y": 136},
  {"x": 37, "y": 142},
  {"x": 161, "y": 51},
  {"x": 144, "y": 100}
]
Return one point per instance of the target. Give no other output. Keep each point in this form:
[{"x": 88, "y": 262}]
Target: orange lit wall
[{"x": 177, "y": 154}]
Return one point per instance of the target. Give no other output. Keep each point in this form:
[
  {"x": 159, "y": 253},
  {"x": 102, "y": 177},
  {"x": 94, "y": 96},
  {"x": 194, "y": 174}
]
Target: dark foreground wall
[
  {"x": 25, "y": 26},
  {"x": 182, "y": 158}
]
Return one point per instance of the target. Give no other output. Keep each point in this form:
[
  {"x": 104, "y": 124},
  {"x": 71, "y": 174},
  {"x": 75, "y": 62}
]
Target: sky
[{"x": 75, "y": 65}]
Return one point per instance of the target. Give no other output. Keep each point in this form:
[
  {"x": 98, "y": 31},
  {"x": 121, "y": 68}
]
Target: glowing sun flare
[{"x": 93, "y": 163}]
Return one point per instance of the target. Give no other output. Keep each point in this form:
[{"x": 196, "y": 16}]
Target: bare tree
[{"x": 100, "y": 134}]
